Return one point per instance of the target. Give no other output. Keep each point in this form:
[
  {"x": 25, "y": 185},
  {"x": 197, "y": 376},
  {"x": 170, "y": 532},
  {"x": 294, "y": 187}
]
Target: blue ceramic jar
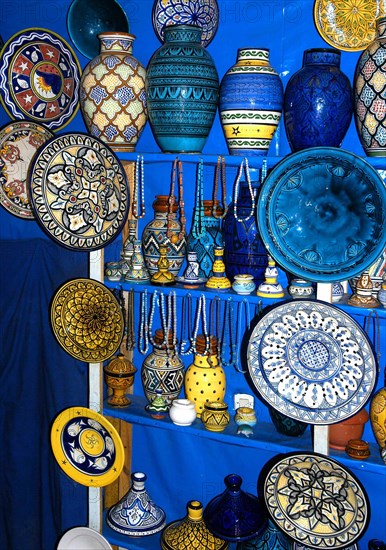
[
  {"x": 318, "y": 101},
  {"x": 182, "y": 88}
]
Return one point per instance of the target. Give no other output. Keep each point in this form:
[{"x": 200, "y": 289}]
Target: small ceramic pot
[
  {"x": 299, "y": 288},
  {"x": 182, "y": 412},
  {"x": 113, "y": 271},
  {"x": 243, "y": 284},
  {"x": 245, "y": 416},
  {"x": 356, "y": 448},
  {"x": 119, "y": 377},
  {"x": 351, "y": 428},
  {"x": 215, "y": 416},
  {"x": 337, "y": 292}
]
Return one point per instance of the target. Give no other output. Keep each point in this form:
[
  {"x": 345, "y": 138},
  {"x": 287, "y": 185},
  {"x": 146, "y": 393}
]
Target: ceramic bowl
[{"x": 83, "y": 538}]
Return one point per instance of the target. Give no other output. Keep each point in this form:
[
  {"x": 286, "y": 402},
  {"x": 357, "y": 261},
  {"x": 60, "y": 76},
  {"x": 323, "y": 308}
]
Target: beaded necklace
[
  {"x": 168, "y": 318},
  {"x": 198, "y": 229},
  {"x": 200, "y": 313},
  {"x": 229, "y": 324},
  {"x": 215, "y": 322},
  {"x": 130, "y": 340},
  {"x": 220, "y": 175},
  {"x": 139, "y": 189},
  {"x": 176, "y": 175},
  {"x": 247, "y": 315},
  {"x": 143, "y": 344},
  {"x": 186, "y": 323},
  {"x": 236, "y": 192}
]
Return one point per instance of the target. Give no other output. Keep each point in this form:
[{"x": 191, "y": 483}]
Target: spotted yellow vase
[
  {"x": 205, "y": 378},
  {"x": 112, "y": 93},
  {"x": 378, "y": 417}
]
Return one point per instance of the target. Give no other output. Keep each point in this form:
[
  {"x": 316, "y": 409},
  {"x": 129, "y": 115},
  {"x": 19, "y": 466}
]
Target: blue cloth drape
[{"x": 38, "y": 379}]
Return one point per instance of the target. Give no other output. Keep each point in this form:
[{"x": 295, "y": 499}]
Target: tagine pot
[{"x": 351, "y": 428}]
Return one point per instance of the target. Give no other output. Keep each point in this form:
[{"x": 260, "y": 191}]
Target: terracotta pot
[{"x": 352, "y": 428}]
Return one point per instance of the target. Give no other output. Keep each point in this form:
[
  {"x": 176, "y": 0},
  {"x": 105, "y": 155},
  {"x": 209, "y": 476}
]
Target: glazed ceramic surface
[
  {"x": 318, "y": 101},
  {"x": 112, "y": 93},
  {"x": 203, "y": 13},
  {"x": 298, "y": 546},
  {"x": 87, "y": 320},
  {"x": 83, "y": 538},
  {"x": 311, "y": 361},
  {"x": 347, "y": 24},
  {"x": 250, "y": 103},
  {"x": 79, "y": 192},
  {"x": 19, "y": 142},
  {"x": 87, "y": 447},
  {"x": 86, "y": 19},
  {"x": 39, "y": 78},
  {"x": 369, "y": 96},
  {"x": 271, "y": 538},
  {"x": 316, "y": 500},
  {"x": 182, "y": 89},
  {"x": 322, "y": 214}
]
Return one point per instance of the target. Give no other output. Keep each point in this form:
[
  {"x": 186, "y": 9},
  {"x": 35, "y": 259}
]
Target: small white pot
[{"x": 182, "y": 412}]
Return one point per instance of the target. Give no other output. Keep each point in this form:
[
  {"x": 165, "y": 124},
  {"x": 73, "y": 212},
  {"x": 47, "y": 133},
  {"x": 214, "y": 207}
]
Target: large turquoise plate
[{"x": 322, "y": 214}]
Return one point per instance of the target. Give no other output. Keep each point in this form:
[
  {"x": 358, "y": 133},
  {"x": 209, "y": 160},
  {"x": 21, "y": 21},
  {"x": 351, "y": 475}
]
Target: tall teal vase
[{"x": 182, "y": 88}]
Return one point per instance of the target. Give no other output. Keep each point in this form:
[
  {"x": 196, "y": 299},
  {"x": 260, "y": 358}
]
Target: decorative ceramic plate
[
  {"x": 78, "y": 191},
  {"x": 87, "y": 447},
  {"x": 322, "y": 214},
  {"x": 87, "y": 320},
  {"x": 83, "y": 538},
  {"x": 298, "y": 546},
  {"x": 39, "y": 78},
  {"x": 203, "y": 13},
  {"x": 88, "y": 18},
  {"x": 18, "y": 144},
  {"x": 316, "y": 500},
  {"x": 347, "y": 24},
  {"x": 311, "y": 361}
]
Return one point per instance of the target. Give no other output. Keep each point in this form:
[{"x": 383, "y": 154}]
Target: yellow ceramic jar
[
  {"x": 205, "y": 378},
  {"x": 378, "y": 417},
  {"x": 215, "y": 416}
]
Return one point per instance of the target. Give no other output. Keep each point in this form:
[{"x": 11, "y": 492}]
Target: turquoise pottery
[
  {"x": 318, "y": 102},
  {"x": 270, "y": 539},
  {"x": 251, "y": 103},
  {"x": 182, "y": 88}
]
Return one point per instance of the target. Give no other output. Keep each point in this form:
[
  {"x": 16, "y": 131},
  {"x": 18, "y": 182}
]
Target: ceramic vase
[
  {"x": 215, "y": 416},
  {"x": 251, "y": 103},
  {"x": 243, "y": 284},
  {"x": 219, "y": 280},
  {"x": 112, "y": 93},
  {"x": 235, "y": 515},
  {"x": 351, "y": 428},
  {"x": 205, "y": 378},
  {"x": 182, "y": 90},
  {"x": 155, "y": 233},
  {"x": 135, "y": 514},
  {"x": 318, "y": 102},
  {"x": 286, "y": 425},
  {"x": 119, "y": 377},
  {"x": 270, "y": 539},
  {"x": 369, "y": 94},
  {"x": 244, "y": 250},
  {"x": 203, "y": 240},
  {"x": 191, "y": 532},
  {"x": 162, "y": 370},
  {"x": 378, "y": 417}
]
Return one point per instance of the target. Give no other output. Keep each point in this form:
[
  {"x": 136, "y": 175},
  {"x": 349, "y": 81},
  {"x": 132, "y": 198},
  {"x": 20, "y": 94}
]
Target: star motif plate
[
  {"x": 347, "y": 24},
  {"x": 87, "y": 320},
  {"x": 78, "y": 191},
  {"x": 316, "y": 501},
  {"x": 203, "y": 13},
  {"x": 87, "y": 447},
  {"x": 321, "y": 213},
  {"x": 39, "y": 78},
  {"x": 311, "y": 361},
  {"x": 19, "y": 142}
]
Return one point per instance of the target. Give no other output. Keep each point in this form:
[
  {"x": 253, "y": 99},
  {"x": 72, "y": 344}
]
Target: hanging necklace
[
  {"x": 168, "y": 316},
  {"x": 220, "y": 175},
  {"x": 143, "y": 344},
  {"x": 247, "y": 316},
  {"x": 186, "y": 323},
  {"x": 228, "y": 330},
  {"x": 139, "y": 189},
  {"x": 263, "y": 172},
  {"x": 130, "y": 340},
  {"x": 236, "y": 192},
  {"x": 200, "y": 313},
  {"x": 198, "y": 230},
  {"x": 176, "y": 175},
  {"x": 215, "y": 323}
]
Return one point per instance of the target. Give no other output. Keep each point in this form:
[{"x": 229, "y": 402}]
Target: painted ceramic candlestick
[
  {"x": 137, "y": 272},
  {"x": 270, "y": 288},
  {"x": 219, "y": 280},
  {"x": 163, "y": 276}
]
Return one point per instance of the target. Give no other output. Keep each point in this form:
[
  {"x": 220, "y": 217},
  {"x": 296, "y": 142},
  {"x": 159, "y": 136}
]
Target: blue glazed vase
[
  {"x": 244, "y": 249},
  {"x": 203, "y": 240},
  {"x": 251, "y": 103},
  {"x": 182, "y": 88},
  {"x": 318, "y": 101},
  {"x": 270, "y": 539}
]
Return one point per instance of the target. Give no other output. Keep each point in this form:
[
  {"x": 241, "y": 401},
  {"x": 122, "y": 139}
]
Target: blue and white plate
[
  {"x": 322, "y": 214},
  {"x": 311, "y": 361}
]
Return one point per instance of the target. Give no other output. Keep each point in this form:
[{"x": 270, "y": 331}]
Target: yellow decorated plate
[
  {"x": 347, "y": 24},
  {"x": 87, "y": 320},
  {"x": 87, "y": 447}
]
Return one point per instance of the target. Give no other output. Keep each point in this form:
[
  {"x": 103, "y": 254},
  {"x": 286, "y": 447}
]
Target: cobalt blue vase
[
  {"x": 244, "y": 250},
  {"x": 318, "y": 101},
  {"x": 182, "y": 88},
  {"x": 270, "y": 539}
]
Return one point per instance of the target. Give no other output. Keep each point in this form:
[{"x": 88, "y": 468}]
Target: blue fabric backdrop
[{"x": 38, "y": 379}]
